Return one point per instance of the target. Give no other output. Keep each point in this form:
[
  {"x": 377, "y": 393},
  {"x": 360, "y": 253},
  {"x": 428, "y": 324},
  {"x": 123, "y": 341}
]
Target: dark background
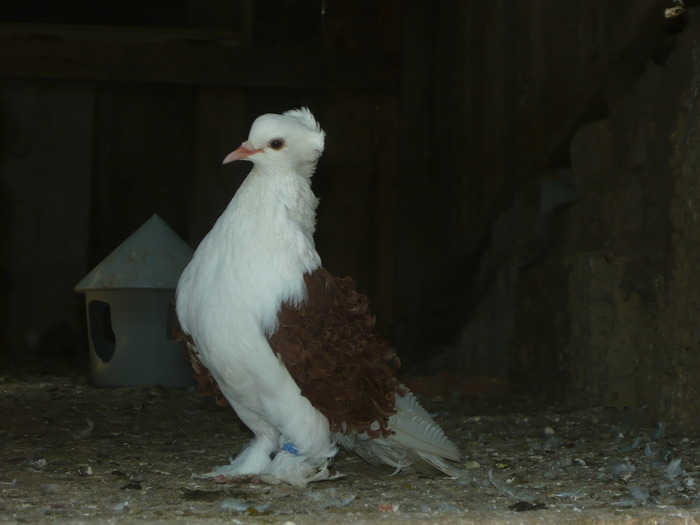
[{"x": 513, "y": 183}]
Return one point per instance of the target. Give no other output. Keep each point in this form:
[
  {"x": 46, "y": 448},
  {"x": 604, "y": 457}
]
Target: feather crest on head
[
  {"x": 306, "y": 117},
  {"x": 299, "y": 133}
]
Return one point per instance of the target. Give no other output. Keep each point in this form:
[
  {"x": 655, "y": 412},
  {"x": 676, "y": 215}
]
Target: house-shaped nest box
[{"x": 129, "y": 299}]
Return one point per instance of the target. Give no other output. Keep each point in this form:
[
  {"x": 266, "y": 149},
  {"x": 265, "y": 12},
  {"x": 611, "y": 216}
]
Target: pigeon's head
[{"x": 293, "y": 140}]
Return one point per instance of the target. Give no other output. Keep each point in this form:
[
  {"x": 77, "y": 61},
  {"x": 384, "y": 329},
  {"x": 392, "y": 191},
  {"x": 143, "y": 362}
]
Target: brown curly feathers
[{"x": 329, "y": 346}]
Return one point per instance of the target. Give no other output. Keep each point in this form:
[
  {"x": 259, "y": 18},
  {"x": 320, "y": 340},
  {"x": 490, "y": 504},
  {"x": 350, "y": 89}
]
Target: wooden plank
[
  {"x": 387, "y": 107},
  {"x": 45, "y": 184},
  {"x": 142, "y": 161},
  {"x": 383, "y": 277},
  {"x": 344, "y": 185},
  {"x": 198, "y": 63},
  {"x": 414, "y": 240},
  {"x": 221, "y": 125}
]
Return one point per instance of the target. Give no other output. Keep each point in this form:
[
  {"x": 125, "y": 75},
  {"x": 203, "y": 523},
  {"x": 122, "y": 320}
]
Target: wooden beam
[{"x": 190, "y": 62}]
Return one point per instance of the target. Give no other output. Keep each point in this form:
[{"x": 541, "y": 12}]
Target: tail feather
[
  {"x": 416, "y": 442},
  {"x": 443, "y": 466},
  {"x": 376, "y": 451},
  {"x": 415, "y": 429}
]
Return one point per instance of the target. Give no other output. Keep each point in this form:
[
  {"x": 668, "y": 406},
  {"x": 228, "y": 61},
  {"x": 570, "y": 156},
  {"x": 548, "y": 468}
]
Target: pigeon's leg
[
  {"x": 299, "y": 423},
  {"x": 304, "y": 447},
  {"x": 255, "y": 458}
]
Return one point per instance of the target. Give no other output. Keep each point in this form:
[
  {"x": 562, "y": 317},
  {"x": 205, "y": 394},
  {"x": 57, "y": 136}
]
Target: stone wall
[{"x": 610, "y": 314}]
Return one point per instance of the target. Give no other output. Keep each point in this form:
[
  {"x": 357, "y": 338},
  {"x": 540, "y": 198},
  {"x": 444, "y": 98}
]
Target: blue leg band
[{"x": 289, "y": 447}]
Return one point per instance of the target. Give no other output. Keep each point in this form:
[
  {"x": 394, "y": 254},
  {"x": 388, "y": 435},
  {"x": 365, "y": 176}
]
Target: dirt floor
[{"x": 74, "y": 453}]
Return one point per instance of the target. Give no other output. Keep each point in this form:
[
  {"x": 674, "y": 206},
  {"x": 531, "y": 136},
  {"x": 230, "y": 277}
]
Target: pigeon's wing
[{"x": 329, "y": 346}]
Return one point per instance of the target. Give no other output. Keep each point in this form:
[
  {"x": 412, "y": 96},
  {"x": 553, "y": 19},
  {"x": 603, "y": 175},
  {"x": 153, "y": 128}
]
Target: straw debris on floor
[{"x": 75, "y": 453}]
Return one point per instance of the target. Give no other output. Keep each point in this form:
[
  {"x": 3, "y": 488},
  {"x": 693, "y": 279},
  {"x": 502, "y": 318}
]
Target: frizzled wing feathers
[{"x": 329, "y": 346}]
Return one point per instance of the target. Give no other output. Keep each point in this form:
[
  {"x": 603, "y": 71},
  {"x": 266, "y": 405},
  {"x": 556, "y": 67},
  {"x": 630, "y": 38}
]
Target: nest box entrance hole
[{"x": 101, "y": 332}]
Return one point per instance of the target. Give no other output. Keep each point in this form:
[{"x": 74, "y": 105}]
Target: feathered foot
[
  {"x": 298, "y": 470},
  {"x": 251, "y": 461},
  {"x": 255, "y": 465}
]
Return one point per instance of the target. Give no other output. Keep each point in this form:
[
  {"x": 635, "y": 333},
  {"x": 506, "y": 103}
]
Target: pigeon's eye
[{"x": 277, "y": 144}]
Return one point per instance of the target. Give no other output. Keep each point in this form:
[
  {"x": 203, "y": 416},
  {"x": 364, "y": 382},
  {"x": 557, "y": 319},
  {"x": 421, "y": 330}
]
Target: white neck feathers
[{"x": 257, "y": 253}]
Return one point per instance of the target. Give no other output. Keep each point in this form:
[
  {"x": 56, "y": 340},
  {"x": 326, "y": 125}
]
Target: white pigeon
[{"x": 291, "y": 347}]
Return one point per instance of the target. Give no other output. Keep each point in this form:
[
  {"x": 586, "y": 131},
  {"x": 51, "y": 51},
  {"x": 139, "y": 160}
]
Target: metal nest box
[{"x": 129, "y": 299}]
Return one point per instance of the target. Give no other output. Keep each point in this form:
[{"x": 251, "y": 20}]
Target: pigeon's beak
[{"x": 245, "y": 150}]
